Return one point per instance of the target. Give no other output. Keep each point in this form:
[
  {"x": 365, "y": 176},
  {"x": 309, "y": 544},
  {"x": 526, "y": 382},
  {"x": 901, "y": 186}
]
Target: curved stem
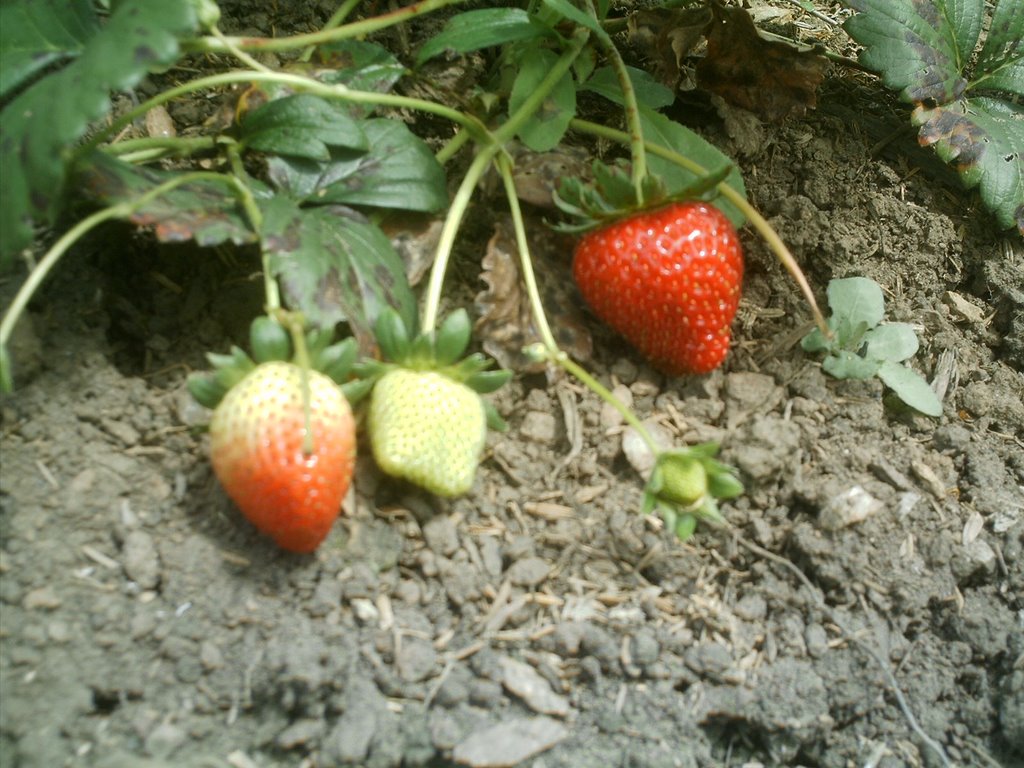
[
  {"x": 523, "y": 245},
  {"x": 131, "y": 149},
  {"x": 231, "y": 46},
  {"x": 771, "y": 237},
  {"x": 327, "y": 35},
  {"x": 299, "y": 82},
  {"x": 637, "y": 149},
  {"x": 460, "y": 202}
]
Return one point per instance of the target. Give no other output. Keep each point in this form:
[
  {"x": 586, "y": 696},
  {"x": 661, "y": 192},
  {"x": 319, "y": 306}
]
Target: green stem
[
  {"x": 299, "y": 82},
  {"x": 494, "y": 144},
  {"x": 770, "y": 236},
  {"x": 120, "y": 211},
  {"x": 459, "y": 204},
  {"x": 332, "y": 23},
  {"x": 354, "y": 30},
  {"x": 231, "y": 46},
  {"x": 529, "y": 277},
  {"x": 637, "y": 150}
]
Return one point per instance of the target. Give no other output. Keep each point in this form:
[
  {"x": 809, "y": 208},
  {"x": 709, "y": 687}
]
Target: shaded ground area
[{"x": 143, "y": 623}]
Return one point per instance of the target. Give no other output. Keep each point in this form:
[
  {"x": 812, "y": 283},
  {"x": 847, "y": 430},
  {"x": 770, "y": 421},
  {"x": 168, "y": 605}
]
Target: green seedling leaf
[
  {"x": 983, "y": 139},
  {"x": 649, "y": 92},
  {"x": 473, "y": 30},
  {"x": 359, "y": 65},
  {"x": 40, "y": 126},
  {"x": 545, "y": 129},
  {"x": 301, "y": 125},
  {"x": 844, "y": 364},
  {"x": 671, "y": 135},
  {"x": 35, "y": 34},
  {"x": 856, "y": 300},
  {"x": 911, "y": 388},
  {"x": 894, "y": 342},
  {"x": 204, "y": 210},
  {"x": 397, "y": 170},
  {"x": 334, "y": 265}
]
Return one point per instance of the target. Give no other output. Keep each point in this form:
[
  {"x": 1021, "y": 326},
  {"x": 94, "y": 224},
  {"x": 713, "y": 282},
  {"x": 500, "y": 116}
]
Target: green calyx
[
  {"x": 270, "y": 341},
  {"x": 441, "y": 350},
  {"x": 611, "y": 195},
  {"x": 686, "y": 485}
]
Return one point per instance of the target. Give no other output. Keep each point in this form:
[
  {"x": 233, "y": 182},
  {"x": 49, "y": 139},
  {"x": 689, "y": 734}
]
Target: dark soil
[{"x": 144, "y": 623}]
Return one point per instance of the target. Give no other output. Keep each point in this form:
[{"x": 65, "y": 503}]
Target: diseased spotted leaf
[
  {"x": 41, "y": 125},
  {"x": 984, "y": 140},
  {"x": 334, "y": 265},
  {"x": 396, "y": 170},
  {"x": 204, "y": 210}
]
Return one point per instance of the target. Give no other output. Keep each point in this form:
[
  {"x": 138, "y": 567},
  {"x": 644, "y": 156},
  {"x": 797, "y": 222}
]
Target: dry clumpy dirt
[{"x": 541, "y": 620}]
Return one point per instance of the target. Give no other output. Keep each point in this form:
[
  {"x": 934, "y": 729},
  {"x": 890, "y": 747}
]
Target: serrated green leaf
[
  {"x": 856, "y": 300},
  {"x": 649, "y": 92},
  {"x": 397, "y": 170},
  {"x": 984, "y": 139},
  {"x": 920, "y": 48},
  {"x": 892, "y": 341},
  {"x": 35, "y": 34},
  {"x": 359, "y": 65},
  {"x": 483, "y": 28},
  {"x": 333, "y": 265},
  {"x": 1005, "y": 34},
  {"x": 301, "y": 125},
  {"x": 911, "y": 388},
  {"x": 204, "y": 210},
  {"x": 844, "y": 364},
  {"x": 40, "y": 126},
  {"x": 669, "y": 134},
  {"x": 549, "y": 123}
]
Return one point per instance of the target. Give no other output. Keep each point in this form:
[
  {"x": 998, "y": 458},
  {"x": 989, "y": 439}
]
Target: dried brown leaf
[
  {"x": 772, "y": 79},
  {"x": 505, "y": 322},
  {"x": 666, "y": 36}
]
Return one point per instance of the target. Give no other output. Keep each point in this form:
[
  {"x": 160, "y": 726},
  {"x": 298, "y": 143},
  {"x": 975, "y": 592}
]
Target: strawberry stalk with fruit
[{"x": 659, "y": 259}]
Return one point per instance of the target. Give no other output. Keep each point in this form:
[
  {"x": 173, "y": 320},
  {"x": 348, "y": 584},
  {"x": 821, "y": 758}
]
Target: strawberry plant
[
  {"x": 861, "y": 346},
  {"x": 961, "y": 64},
  {"x": 306, "y": 161}
]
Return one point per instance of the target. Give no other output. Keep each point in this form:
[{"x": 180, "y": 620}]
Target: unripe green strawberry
[
  {"x": 668, "y": 280},
  {"x": 428, "y": 429},
  {"x": 291, "y": 489}
]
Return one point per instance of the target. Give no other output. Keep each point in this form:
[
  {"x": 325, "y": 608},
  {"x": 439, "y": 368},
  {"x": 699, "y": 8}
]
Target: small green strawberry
[
  {"x": 282, "y": 436},
  {"x": 426, "y": 420}
]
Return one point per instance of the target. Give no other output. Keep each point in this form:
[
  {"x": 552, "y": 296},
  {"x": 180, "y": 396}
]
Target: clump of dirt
[{"x": 144, "y": 623}]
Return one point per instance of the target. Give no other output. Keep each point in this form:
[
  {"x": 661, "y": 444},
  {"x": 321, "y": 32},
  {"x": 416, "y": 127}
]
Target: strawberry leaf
[
  {"x": 205, "y": 211},
  {"x": 649, "y": 92},
  {"x": 669, "y": 134},
  {"x": 473, "y": 30},
  {"x": 549, "y": 123},
  {"x": 923, "y": 48},
  {"x": 334, "y": 265},
  {"x": 359, "y": 65},
  {"x": 35, "y": 34},
  {"x": 40, "y": 125},
  {"x": 984, "y": 139},
  {"x": 301, "y": 125},
  {"x": 397, "y": 171}
]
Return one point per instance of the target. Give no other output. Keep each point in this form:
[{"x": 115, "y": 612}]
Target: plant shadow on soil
[{"x": 144, "y": 624}]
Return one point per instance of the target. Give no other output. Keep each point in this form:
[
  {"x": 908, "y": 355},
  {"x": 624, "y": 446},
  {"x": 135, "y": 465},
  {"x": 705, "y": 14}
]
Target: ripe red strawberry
[
  {"x": 668, "y": 280},
  {"x": 258, "y": 449}
]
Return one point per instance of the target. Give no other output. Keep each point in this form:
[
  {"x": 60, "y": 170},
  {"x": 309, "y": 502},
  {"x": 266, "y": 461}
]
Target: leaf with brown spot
[
  {"x": 983, "y": 139},
  {"x": 506, "y": 323},
  {"x": 772, "y": 79},
  {"x": 334, "y": 265}
]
